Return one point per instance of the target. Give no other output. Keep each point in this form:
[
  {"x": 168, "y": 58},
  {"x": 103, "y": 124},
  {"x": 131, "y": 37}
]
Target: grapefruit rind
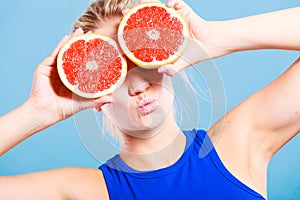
[
  {"x": 154, "y": 63},
  {"x": 74, "y": 88}
]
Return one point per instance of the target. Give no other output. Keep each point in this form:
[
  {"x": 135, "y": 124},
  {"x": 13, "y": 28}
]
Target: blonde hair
[{"x": 101, "y": 11}]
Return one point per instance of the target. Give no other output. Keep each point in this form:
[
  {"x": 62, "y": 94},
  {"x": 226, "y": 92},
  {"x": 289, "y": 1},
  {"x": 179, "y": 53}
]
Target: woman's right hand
[{"x": 50, "y": 96}]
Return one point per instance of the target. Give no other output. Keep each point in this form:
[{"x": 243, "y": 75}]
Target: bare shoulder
[
  {"x": 86, "y": 183},
  {"x": 65, "y": 183}
]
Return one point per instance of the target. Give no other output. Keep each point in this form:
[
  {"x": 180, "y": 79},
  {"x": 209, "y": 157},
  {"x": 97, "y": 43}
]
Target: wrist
[
  {"x": 213, "y": 37},
  {"x": 38, "y": 117},
  {"x": 222, "y": 39}
]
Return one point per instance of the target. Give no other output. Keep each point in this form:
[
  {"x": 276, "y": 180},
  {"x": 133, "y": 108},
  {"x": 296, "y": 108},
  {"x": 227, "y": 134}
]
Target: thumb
[
  {"x": 175, "y": 67},
  {"x": 98, "y": 103},
  {"x": 125, "y": 11},
  {"x": 169, "y": 70}
]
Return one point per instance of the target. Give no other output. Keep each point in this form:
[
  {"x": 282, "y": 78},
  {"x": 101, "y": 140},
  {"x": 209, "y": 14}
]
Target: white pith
[
  {"x": 92, "y": 65},
  {"x": 153, "y": 34}
]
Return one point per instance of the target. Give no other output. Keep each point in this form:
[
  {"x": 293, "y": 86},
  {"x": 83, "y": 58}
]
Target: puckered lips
[{"x": 147, "y": 105}]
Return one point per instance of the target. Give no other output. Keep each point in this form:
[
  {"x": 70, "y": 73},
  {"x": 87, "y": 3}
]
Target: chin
[{"x": 147, "y": 125}]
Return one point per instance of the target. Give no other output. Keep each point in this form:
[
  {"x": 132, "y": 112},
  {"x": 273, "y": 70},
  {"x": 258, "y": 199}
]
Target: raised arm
[
  {"x": 275, "y": 109},
  {"x": 212, "y": 39},
  {"x": 250, "y": 134},
  {"x": 34, "y": 115},
  {"x": 49, "y": 102},
  {"x": 273, "y": 30}
]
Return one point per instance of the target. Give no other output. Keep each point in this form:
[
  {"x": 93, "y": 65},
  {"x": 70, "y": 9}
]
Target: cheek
[
  {"x": 167, "y": 99},
  {"x": 131, "y": 109},
  {"x": 165, "y": 92},
  {"x": 124, "y": 112}
]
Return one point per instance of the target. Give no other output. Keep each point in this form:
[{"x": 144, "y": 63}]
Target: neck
[{"x": 158, "y": 151}]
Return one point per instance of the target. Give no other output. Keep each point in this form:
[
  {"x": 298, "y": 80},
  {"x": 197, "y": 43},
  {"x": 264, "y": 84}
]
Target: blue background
[{"x": 30, "y": 30}]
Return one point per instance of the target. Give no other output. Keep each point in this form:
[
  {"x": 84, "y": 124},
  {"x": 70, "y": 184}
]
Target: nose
[
  {"x": 143, "y": 87},
  {"x": 137, "y": 81}
]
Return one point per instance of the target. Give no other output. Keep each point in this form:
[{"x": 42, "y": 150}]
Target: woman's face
[{"x": 144, "y": 100}]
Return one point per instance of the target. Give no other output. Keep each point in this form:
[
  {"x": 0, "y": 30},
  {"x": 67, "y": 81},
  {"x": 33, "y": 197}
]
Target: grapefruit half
[
  {"x": 91, "y": 65},
  {"x": 152, "y": 34}
]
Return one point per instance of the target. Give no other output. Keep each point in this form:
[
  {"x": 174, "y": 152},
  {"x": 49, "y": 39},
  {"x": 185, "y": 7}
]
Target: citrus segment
[
  {"x": 91, "y": 66},
  {"x": 151, "y": 34}
]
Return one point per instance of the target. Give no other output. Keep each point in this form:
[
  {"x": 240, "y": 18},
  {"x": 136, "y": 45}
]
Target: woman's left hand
[{"x": 197, "y": 49}]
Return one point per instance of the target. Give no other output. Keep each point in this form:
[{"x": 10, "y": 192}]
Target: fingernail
[
  {"x": 162, "y": 70},
  {"x": 125, "y": 11},
  {"x": 79, "y": 30},
  {"x": 171, "y": 3}
]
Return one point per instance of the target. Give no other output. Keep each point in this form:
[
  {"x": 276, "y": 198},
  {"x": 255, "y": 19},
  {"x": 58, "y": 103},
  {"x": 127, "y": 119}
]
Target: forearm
[
  {"x": 20, "y": 124},
  {"x": 274, "y": 30}
]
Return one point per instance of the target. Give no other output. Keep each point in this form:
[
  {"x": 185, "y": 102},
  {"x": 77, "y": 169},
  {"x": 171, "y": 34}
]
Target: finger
[
  {"x": 96, "y": 104},
  {"x": 142, "y": 1},
  {"x": 179, "y": 5},
  {"x": 97, "y": 109},
  {"x": 51, "y": 59},
  {"x": 101, "y": 102},
  {"x": 78, "y": 31},
  {"x": 170, "y": 69},
  {"x": 165, "y": 70},
  {"x": 125, "y": 11},
  {"x": 104, "y": 99},
  {"x": 170, "y": 3}
]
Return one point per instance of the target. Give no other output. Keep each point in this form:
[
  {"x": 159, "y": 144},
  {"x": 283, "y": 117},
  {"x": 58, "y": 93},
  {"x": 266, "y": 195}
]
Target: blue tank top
[{"x": 198, "y": 174}]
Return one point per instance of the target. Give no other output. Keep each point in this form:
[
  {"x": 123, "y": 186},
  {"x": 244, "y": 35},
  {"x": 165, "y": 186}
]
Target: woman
[{"x": 157, "y": 159}]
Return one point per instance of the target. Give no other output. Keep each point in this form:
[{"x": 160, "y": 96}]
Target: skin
[
  {"x": 246, "y": 138},
  {"x": 139, "y": 84}
]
